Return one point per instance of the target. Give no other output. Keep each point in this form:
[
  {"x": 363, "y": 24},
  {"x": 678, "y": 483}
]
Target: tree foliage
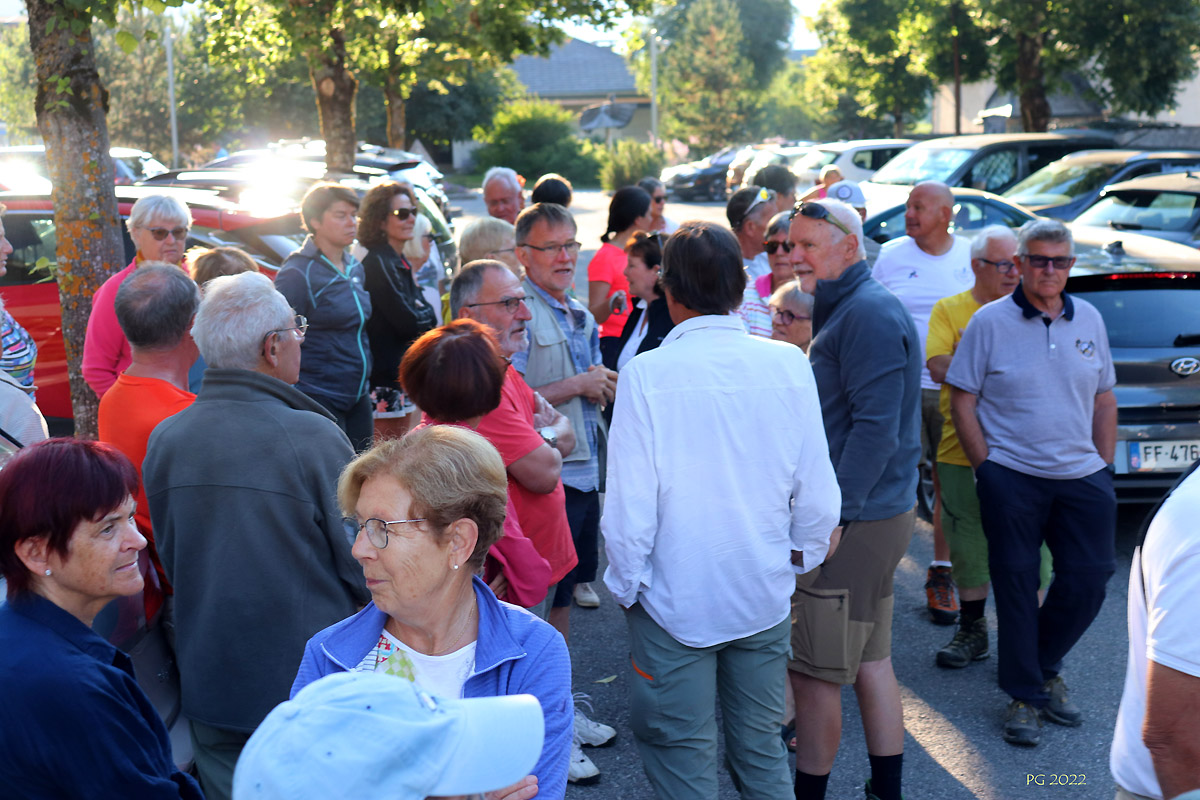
[
  {"x": 535, "y": 137},
  {"x": 19, "y": 87},
  {"x": 766, "y": 27}
]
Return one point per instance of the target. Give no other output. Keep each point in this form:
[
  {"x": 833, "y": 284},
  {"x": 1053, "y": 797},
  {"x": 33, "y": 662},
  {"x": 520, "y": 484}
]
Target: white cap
[{"x": 848, "y": 192}]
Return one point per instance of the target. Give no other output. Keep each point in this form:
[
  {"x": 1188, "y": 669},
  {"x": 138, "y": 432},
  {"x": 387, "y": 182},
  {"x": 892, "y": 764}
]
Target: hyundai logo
[{"x": 1185, "y": 366}]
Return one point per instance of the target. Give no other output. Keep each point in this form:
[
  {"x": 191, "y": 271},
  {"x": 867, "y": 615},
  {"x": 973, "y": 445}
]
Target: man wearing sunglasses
[
  {"x": 866, "y": 356},
  {"x": 921, "y": 268},
  {"x": 748, "y": 211},
  {"x": 1031, "y": 394}
]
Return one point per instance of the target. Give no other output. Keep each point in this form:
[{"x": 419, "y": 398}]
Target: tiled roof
[{"x": 575, "y": 68}]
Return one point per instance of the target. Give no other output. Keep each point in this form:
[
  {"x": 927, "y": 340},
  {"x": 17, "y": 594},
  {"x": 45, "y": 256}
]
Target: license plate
[{"x": 1162, "y": 456}]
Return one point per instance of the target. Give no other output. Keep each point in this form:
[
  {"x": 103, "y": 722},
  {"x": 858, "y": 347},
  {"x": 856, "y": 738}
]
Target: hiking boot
[
  {"x": 585, "y": 596},
  {"x": 1060, "y": 710},
  {"x": 1022, "y": 724},
  {"x": 940, "y": 596},
  {"x": 580, "y": 769},
  {"x": 970, "y": 643}
]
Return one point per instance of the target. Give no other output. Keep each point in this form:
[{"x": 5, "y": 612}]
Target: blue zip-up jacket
[
  {"x": 866, "y": 355},
  {"x": 335, "y": 359},
  {"x": 515, "y": 653}
]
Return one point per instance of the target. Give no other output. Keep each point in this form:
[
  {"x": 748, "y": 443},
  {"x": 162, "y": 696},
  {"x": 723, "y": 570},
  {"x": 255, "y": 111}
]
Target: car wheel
[{"x": 716, "y": 191}]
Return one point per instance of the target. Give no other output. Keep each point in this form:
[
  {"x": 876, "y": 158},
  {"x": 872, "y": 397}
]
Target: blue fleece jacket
[
  {"x": 866, "y": 355},
  {"x": 515, "y": 653}
]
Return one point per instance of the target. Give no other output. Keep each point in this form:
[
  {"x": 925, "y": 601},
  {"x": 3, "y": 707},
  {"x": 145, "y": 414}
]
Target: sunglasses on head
[
  {"x": 160, "y": 234},
  {"x": 403, "y": 213},
  {"x": 818, "y": 211},
  {"x": 773, "y": 247}
]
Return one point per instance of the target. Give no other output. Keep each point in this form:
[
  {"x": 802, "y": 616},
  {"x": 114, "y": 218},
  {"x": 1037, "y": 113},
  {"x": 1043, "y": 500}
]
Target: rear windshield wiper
[
  {"x": 1187, "y": 339},
  {"x": 1124, "y": 226}
]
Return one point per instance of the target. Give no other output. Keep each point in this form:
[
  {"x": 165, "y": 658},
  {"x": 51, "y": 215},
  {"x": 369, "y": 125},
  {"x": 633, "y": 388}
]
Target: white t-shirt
[
  {"x": 757, "y": 267},
  {"x": 920, "y": 280},
  {"x": 636, "y": 337},
  {"x": 1161, "y": 627},
  {"x": 441, "y": 676}
]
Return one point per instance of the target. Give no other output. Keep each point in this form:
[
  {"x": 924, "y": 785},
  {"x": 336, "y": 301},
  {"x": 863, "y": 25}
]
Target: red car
[{"x": 31, "y": 295}]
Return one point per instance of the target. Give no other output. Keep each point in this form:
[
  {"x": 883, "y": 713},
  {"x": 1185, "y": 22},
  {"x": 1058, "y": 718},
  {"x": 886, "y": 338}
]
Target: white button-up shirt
[{"x": 717, "y": 469}]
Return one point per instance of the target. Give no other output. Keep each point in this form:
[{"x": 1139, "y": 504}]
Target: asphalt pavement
[{"x": 953, "y": 748}]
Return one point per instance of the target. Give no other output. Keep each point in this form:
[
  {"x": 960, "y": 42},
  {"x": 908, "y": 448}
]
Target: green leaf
[
  {"x": 95, "y": 215},
  {"x": 609, "y": 679},
  {"x": 127, "y": 41},
  {"x": 42, "y": 263}
]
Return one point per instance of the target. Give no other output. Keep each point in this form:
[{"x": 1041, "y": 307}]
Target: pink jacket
[{"x": 105, "y": 349}]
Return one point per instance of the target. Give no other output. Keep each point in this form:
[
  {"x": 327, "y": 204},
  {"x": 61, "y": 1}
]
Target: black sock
[
  {"x": 811, "y": 787},
  {"x": 885, "y": 776},
  {"x": 971, "y": 611}
]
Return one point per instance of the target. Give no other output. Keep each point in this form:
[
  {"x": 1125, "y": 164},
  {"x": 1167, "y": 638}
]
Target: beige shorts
[{"x": 842, "y": 610}]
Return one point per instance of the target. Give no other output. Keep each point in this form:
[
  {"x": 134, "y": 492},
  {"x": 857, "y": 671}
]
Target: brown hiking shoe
[{"x": 940, "y": 596}]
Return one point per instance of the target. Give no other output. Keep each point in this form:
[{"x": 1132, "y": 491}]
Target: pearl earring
[
  {"x": 455, "y": 566},
  {"x": 47, "y": 573}
]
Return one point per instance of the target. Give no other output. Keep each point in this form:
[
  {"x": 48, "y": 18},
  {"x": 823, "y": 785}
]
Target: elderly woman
[
  {"x": 649, "y": 321},
  {"x": 158, "y": 225},
  {"x": 426, "y": 508},
  {"x": 325, "y": 284},
  {"x": 755, "y": 314},
  {"x": 74, "y": 722},
  {"x": 791, "y": 315},
  {"x": 492, "y": 238},
  {"x": 208, "y": 263},
  {"x": 399, "y": 311}
]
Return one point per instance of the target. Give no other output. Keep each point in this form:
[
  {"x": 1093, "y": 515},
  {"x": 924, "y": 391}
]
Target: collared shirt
[
  {"x": 704, "y": 505},
  {"x": 585, "y": 352},
  {"x": 1036, "y": 380},
  {"x": 74, "y": 722}
]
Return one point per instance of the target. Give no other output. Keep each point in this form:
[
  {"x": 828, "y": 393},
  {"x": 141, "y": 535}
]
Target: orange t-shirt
[
  {"x": 129, "y": 412},
  {"x": 608, "y": 266}
]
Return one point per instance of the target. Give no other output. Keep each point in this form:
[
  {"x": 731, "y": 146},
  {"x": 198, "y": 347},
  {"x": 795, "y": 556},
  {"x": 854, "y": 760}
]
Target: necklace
[{"x": 462, "y": 631}]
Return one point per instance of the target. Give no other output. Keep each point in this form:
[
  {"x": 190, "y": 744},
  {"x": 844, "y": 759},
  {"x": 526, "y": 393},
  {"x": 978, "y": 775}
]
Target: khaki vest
[{"x": 550, "y": 361}]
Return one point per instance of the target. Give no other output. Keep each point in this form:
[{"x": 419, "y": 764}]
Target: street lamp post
[{"x": 171, "y": 98}]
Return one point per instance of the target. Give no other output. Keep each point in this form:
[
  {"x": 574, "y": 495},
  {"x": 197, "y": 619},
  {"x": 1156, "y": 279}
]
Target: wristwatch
[{"x": 549, "y": 436}]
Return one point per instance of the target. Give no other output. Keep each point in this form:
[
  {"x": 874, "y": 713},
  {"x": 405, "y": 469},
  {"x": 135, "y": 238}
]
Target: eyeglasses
[
  {"x": 511, "y": 304},
  {"x": 403, "y": 213},
  {"x": 301, "y": 326},
  {"x": 659, "y": 198},
  {"x": 658, "y": 237},
  {"x": 160, "y": 234},
  {"x": 773, "y": 247},
  {"x": 570, "y": 248},
  {"x": 1042, "y": 262},
  {"x": 818, "y": 211},
  {"x": 785, "y": 316},
  {"x": 377, "y": 529},
  {"x": 1003, "y": 267}
]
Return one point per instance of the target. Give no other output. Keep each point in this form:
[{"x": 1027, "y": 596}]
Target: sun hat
[
  {"x": 363, "y": 734},
  {"x": 849, "y": 193}
]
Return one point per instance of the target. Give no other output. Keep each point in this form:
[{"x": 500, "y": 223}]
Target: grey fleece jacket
[
  {"x": 866, "y": 355},
  {"x": 241, "y": 487}
]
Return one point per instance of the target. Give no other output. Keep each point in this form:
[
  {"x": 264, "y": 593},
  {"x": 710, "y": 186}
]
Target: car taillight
[{"x": 1116, "y": 276}]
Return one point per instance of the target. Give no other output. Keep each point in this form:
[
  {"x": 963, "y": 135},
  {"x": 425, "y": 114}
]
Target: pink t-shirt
[
  {"x": 608, "y": 266},
  {"x": 105, "y": 349}
]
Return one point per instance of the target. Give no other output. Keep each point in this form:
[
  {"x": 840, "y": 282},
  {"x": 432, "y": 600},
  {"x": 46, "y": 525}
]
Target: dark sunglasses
[
  {"x": 403, "y": 213},
  {"x": 773, "y": 247},
  {"x": 817, "y": 211},
  {"x": 160, "y": 234},
  {"x": 659, "y": 198}
]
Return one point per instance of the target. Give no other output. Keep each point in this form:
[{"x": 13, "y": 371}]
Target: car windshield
[
  {"x": 1058, "y": 183},
  {"x": 1145, "y": 317},
  {"x": 814, "y": 159},
  {"x": 918, "y": 164},
  {"x": 1143, "y": 211}
]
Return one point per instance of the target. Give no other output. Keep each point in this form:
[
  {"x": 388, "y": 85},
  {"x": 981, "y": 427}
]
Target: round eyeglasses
[{"x": 377, "y": 529}]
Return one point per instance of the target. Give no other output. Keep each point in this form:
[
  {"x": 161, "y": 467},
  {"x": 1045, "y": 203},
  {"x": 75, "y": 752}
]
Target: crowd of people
[{"x": 324, "y": 488}]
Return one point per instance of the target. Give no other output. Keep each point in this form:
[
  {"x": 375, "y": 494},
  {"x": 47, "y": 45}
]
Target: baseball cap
[
  {"x": 743, "y": 201},
  {"x": 362, "y": 734},
  {"x": 849, "y": 193}
]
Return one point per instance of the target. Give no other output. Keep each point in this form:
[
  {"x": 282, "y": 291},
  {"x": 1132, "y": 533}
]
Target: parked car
[
  {"x": 703, "y": 178},
  {"x": 31, "y": 294},
  {"x": 857, "y": 159},
  {"x": 786, "y": 155},
  {"x": 1166, "y": 206},
  {"x": 990, "y": 162},
  {"x": 1065, "y": 188},
  {"x": 1149, "y": 307},
  {"x": 736, "y": 171},
  {"x": 23, "y": 168}
]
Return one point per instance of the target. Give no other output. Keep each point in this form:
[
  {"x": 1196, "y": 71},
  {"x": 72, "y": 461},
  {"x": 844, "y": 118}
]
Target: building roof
[{"x": 576, "y": 69}]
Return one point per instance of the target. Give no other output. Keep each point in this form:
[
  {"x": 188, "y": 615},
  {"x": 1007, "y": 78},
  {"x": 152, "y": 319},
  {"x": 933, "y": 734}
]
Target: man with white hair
[
  {"x": 241, "y": 487},
  {"x": 866, "y": 355},
  {"x": 502, "y": 192}
]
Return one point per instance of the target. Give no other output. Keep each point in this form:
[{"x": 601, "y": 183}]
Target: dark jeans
[
  {"x": 1077, "y": 521},
  {"x": 356, "y": 421},
  {"x": 583, "y": 515}
]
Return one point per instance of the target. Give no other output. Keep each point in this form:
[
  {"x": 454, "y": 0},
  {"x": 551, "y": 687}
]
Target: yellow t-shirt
[{"x": 947, "y": 322}]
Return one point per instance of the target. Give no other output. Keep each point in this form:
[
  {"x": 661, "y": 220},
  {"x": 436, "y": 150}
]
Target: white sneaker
[
  {"x": 581, "y": 770},
  {"x": 585, "y": 596},
  {"x": 591, "y": 733}
]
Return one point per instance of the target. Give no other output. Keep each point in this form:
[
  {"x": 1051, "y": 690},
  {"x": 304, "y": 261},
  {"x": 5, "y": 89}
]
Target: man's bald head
[{"x": 927, "y": 216}]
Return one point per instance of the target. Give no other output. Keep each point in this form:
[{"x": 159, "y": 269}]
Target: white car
[{"x": 856, "y": 159}]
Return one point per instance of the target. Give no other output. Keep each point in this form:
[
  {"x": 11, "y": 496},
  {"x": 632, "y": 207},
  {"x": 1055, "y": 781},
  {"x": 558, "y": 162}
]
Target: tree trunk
[
  {"x": 71, "y": 108},
  {"x": 1031, "y": 83},
  {"x": 335, "y": 87},
  {"x": 397, "y": 118}
]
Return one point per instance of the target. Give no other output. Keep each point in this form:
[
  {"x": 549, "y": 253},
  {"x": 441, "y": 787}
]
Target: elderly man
[
  {"x": 1032, "y": 401},
  {"x": 241, "y": 487},
  {"x": 154, "y": 308},
  {"x": 700, "y": 551},
  {"x": 503, "y": 194},
  {"x": 749, "y": 211},
  {"x": 1156, "y": 745},
  {"x": 921, "y": 268},
  {"x": 866, "y": 355},
  {"x": 995, "y": 276}
]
